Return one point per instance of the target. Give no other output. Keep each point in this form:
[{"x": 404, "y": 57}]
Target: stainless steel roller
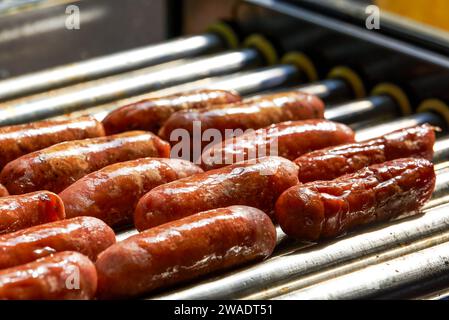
[
  {"x": 128, "y": 85},
  {"x": 422, "y": 268},
  {"x": 108, "y": 65}
]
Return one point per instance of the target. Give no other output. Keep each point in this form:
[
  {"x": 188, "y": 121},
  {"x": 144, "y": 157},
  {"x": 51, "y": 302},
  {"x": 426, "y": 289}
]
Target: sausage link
[
  {"x": 3, "y": 191},
  {"x": 324, "y": 209},
  {"x": 150, "y": 114},
  {"x": 27, "y": 210},
  {"x": 58, "y": 166},
  {"x": 18, "y": 140},
  {"x": 286, "y": 139},
  {"x": 249, "y": 114},
  {"x": 256, "y": 183},
  {"x": 62, "y": 276},
  {"x": 111, "y": 194},
  {"x": 332, "y": 162},
  {"x": 184, "y": 249},
  {"x": 86, "y": 235}
]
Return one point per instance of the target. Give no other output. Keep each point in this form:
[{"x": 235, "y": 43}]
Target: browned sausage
[
  {"x": 58, "y": 166},
  {"x": 286, "y": 139},
  {"x": 86, "y": 235},
  {"x": 256, "y": 183},
  {"x": 15, "y": 141},
  {"x": 27, "y": 210},
  {"x": 324, "y": 209},
  {"x": 184, "y": 249},
  {"x": 250, "y": 114},
  {"x": 3, "y": 191},
  {"x": 150, "y": 114},
  {"x": 111, "y": 194},
  {"x": 62, "y": 276},
  {"x": 330, "y": 163}
]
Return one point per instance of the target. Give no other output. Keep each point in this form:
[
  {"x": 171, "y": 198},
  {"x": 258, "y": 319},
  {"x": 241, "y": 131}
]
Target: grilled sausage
[
  {"x": 18, "y": 140},
  {"x": 286, "y": 139},
  {"x": 86, "y": 235},
  {"x": 111, "y": 194},
  {"x": 150, "y": 114},
  {"x": 184, "y": 249},
  {"x": 249, "y": 114},
  {"x": 324, "y": 209},
  {"x": 64, "y": 275},
  {"x": 20, "y": 212},
  {"x": 332, "y": 162},
  {"x": 58, "y": 166},
  {"x": 256, "y": 183},
  {"x": 3, "y": 191}
]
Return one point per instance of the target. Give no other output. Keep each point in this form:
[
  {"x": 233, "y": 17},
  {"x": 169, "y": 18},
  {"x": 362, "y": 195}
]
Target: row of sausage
[{"x": 192, "y": 220}]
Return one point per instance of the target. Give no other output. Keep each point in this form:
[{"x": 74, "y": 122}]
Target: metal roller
[
  {"x": 108, "y": 65},
  {"x": 423, "y": 268},
  {"x": 413, "y": 120},
  {"x": 127, "y": 85},
  {"x": 441, "y": 150}
]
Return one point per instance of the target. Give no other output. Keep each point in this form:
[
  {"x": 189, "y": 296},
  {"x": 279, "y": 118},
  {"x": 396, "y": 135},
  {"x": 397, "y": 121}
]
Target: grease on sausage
[
  {"x": 184, "y": 249},
  {"x": 18, "y": 140},
  {"x": 58, "y": 166},
  {"x": 256, "y": 183},
  {"x": 332, "y": 162},
  {"x": 111, "y": 194},
  {"x": 150, "y": 114},
  {"x": 86, "y": 235},
  {"x": 50, "y": 278},
  {"x": 324, "y": 209},
  {"x": 287, "y": 139},
  {"x": 27, "y": 210}
]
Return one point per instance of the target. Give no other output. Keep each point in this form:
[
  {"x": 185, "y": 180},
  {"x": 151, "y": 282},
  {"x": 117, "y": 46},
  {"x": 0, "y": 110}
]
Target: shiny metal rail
[
  {"x": 430, "y": 265},
  {"x": 302, "y": 267},
  {"x": 124, "y": 86},
  {"x": 108, "y": 65},
  {"x": 375, "y": 108},
  {"x": 414, "y": 119},
  {"x": 441, "y": 149}
]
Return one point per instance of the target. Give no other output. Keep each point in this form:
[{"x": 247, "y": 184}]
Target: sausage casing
[
  {"x": 332, "y": 162},
  {"x": 253, "y": 113},
  {"x": 27, "y": 210},
  {"x": 287, "y": 139},
  {"x": 3, "y": 191},
  {"x": 86, "y": 235},
  {"x": 256, "y": 183},
  {"x": 150, "y": 114},
  {"x": 58, "y": 166},
  {"x": 111, "y": 194},
  {"x": 64, "y": 275},
  {"x": 184, "y": 249},
  {"x": 323, "y": 209},
  {"x": 18, "y": 140}
]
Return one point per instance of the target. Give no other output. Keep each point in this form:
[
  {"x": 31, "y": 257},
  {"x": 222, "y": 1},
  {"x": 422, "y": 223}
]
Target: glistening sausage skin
[
  {"x": 86, "y": 235},
  {"x": 287, "y": 139},
  {"x": 111, "y": 194},
  {"x": 332, "y": 162},
  {"x": 184, "y": 249},
  {"x": 18, "y": 140},
  {"x": 31, "y": 209},
  {"x": 58, "y": 166},
  {"x": 256, "y": 183},
  {"x": 151, "y": 114},
  {"x": 62, "y": 276},
  {"x": 324, "y": 209}
]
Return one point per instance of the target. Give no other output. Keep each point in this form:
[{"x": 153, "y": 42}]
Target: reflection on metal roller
[{"x": 219, "y": 36}]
